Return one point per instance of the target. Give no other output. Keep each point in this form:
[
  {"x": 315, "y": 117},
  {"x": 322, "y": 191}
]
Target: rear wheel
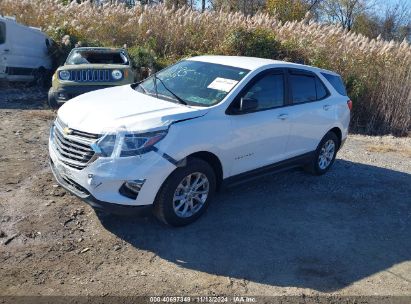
[
  {"x": 186, "y": 193},
  {"x": 324, "y": 155}
]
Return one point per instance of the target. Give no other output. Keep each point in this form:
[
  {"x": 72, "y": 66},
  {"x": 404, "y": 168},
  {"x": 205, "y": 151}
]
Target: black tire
[
  {"x": 52, "y": 101},
  {"x": 163, "y": 206},
  {"x": 41, "y": 78},
  {"x": 314, "y": 166}
]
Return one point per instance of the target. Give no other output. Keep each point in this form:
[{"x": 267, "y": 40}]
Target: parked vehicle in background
[
  {"x": 171, "y": 140},
  {"x": 87, "y": 69},
  {"x": 24, "y": 52}
]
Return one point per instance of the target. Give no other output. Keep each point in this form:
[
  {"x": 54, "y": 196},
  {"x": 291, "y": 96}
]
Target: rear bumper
[{"x": 82, "y": 193}]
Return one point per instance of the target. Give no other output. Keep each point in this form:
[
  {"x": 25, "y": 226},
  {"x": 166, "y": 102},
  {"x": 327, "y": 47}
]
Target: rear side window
[
  {"x": 321, "y": 90},
  {"x": 303, "y": 88},
  {"x": 2, "y": 32},
  {"x": 336, "y": 82}
]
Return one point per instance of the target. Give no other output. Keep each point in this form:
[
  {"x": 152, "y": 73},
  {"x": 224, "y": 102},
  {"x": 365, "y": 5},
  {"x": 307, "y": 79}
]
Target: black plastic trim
[
  {"x": 14, "y": 71},
  {"x": 73, "y": 91},
  {"x": 283, "y": 165},
  {"x": 167, "y": 157}
]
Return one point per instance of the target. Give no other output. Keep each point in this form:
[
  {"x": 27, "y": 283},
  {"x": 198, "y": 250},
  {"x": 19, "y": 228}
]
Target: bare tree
[
  {"x": 396, "y": 23},
  {"x": 344, "y": 12},
  {"x": 289, "y": 10},
  {"x": 247, "y": 7}
]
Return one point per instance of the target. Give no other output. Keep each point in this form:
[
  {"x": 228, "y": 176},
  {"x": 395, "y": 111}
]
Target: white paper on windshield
[{"x": 222, "y": 84}]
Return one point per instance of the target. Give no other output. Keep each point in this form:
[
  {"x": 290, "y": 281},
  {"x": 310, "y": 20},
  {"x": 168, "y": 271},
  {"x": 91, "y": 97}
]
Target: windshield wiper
[
  {"x": 137, "y": 85},
  {"x": 182, "y": 101}
]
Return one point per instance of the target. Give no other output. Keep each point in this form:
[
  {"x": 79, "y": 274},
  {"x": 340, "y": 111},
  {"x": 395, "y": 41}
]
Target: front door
[{"x": 259, "y": 136}]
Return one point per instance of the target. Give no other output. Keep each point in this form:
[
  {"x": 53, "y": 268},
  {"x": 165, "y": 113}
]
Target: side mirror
[{"x": 248, "y": 105}]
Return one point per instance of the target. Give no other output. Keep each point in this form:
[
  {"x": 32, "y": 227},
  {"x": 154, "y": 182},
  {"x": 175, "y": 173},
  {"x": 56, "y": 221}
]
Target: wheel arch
[
  {"x": 337, "y": 131},
  {"x": 213, "y": 161}
]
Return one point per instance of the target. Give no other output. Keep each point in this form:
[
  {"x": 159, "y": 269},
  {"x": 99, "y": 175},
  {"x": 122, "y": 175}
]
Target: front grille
[
  {"x": 81, "y": 190},
  {"x": 73, "y": 149},
  {"x": 91, "y": 75}
]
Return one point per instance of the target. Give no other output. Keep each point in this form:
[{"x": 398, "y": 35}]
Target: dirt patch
[{"x": 345, "y": 233}]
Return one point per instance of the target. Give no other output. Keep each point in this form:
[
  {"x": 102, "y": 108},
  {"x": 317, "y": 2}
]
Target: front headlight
[
  {"x": 105, "y": 145},
  {"x": 128, "y": 144},
  {"x": 116, "y": 74},
  {"x": 64, "y": 75}
]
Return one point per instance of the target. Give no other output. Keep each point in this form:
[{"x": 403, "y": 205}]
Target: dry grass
[
  {"x": 41, "y": 114},
  {"x": 378, "y": 72},
  {"x": 389, "y": 148}
]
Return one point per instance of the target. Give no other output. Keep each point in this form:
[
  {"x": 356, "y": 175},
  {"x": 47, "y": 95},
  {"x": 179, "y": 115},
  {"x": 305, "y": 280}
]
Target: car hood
[{"x": 122, "y": 108}]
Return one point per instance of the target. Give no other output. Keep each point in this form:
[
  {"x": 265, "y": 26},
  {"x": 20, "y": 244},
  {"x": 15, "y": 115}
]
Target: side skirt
[{"x": 283, "y": 165}]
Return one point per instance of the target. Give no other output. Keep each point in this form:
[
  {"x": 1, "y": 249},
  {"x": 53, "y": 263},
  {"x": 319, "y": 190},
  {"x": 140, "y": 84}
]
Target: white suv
[{"x": 172, "y": 140}]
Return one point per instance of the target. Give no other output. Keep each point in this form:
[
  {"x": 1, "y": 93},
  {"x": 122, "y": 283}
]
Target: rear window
[
  {"x": 2, "y": 33},
  {"x": 336, "y": 82},
  {"x": 97, "y": 57}
]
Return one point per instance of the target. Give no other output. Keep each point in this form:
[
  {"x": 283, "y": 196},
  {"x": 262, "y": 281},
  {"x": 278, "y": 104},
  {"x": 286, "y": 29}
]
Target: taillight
[{"x": 349, "y": 104}]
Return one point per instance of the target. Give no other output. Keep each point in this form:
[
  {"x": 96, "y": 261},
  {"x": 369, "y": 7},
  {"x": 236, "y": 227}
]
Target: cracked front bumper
[{"x": 99, "y": 183}]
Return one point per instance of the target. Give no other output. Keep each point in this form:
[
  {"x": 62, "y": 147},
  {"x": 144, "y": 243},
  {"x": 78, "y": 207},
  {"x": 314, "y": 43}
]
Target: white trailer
[{"x": 24, "y": 52}]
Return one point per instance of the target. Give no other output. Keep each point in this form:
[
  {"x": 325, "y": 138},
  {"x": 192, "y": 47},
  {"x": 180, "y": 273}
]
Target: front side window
[
  {"x": 97, "y": 57},
  {"x": 303, "y": 88},
  {"x": 193, "y": 82},
  {"x": 268, "y": 92},
  {"x": 2, "y": 32}
]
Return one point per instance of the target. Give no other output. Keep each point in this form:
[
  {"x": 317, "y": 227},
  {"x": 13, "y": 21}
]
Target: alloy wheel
[
  {"x": 326, "y": 154},
  {"x": 191, "y": 194}
]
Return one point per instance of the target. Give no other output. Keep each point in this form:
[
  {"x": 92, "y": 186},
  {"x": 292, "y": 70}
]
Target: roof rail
[{"x": 13, "y": 18}]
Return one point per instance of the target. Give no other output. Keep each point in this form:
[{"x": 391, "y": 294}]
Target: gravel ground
[{"x": 345, "y": 233}]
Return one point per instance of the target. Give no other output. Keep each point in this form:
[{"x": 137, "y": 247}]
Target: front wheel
[
  {"x": 186, "y": 193},
  {"x": 324, "y": 155}
]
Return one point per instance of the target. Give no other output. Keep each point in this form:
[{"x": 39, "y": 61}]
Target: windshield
[
  {"x": 97, "y": 57},
  {"x": 193, "y": 82}
]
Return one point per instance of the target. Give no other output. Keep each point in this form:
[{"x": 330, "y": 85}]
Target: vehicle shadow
[{"x": 291, "y": 229}]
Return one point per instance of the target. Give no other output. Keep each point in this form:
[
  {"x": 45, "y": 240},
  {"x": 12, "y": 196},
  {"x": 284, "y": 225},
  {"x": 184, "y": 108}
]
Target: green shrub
[
  {"x": 145, "y": 61},
  {"x": 255, "y": 43}
]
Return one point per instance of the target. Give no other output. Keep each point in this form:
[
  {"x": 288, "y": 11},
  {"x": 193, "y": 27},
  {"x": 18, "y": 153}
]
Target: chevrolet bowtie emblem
[{"x": 67, "y": 131}]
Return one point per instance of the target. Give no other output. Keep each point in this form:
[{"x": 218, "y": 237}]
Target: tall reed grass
[{"x": 377, "y": 72}]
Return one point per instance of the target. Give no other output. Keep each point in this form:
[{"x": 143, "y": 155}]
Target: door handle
[
  {"x": 326, "y": 107},
  {"x": 282, "y": 116},
  {"x": 6, "y": 50}
]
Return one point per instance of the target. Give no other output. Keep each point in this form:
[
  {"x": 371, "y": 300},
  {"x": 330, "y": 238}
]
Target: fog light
[
  {"x": 131, "y": 188},
  {"x": 62, "y": 96}
]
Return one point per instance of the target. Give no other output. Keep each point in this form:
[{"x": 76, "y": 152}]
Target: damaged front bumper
[
  {"x": 118, "y": 185},
  {"x": 82, "y": 193}
]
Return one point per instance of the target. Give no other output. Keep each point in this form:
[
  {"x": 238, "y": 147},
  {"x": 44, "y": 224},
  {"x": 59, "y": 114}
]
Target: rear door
[
  {"x": 311, "y": 112},
  {"x": 260, "y": 136}
]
